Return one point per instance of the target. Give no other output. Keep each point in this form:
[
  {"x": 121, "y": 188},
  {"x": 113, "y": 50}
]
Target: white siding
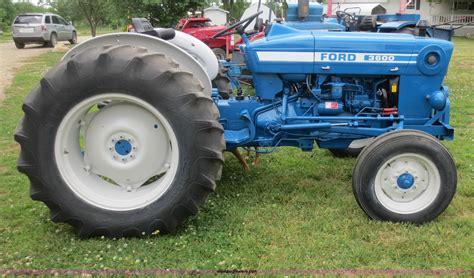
[
  {"x": 426, "y": 9},
  {"x": 217, "y": 16}
]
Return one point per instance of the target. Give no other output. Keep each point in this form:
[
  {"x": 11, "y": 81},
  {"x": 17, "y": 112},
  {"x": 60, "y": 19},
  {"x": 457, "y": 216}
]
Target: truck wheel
[
  {"x": 220, "y": 53},
  {"x": 143, "y": 162},
  {"x": 404, "y": 176},
  {"x": 74, "y": 38},
  {"x": 53, "y": 40},
  {"x": 19, "y": 45}
]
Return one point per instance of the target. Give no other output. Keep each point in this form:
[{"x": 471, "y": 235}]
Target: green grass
[
  {"x": 6, "y": 37},
  {"x": 294, "y": 210}
]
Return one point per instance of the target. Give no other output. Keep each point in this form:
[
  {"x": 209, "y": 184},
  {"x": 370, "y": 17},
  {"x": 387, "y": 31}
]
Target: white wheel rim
[
  {"x": 407, "y": 183},
  {"x": 105, "y": 173}
]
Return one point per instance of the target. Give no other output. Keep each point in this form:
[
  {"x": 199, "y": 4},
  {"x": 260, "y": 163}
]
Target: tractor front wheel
[
  {"x": 120, "y": 142},
  {"x": 404, "y": 176}
]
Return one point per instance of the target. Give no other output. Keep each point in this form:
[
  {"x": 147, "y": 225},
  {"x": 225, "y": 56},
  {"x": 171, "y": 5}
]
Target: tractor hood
[{"x": 287, "y": 50}]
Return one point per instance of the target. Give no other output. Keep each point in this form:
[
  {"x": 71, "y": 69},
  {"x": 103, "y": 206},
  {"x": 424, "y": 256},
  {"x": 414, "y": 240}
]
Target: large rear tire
[
  {"x": 142, "y": 163},
  {"x": 404, "y": 176}
]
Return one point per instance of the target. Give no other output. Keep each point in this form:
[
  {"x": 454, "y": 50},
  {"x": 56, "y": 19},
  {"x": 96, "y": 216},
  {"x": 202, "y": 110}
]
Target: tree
[
  {"x": 170, "y": 11},
  {"x": 7, "y": 12},
  {"x": 67, "y": 9},
  {"x": 227, "y": 4},
  {"x": 93, "y": 11},
  {"x": 238, "y": 8}
]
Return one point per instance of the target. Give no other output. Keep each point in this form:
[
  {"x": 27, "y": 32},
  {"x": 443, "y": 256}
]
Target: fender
[
  {"x": 186, "y": 61},
  {"x": 197, "y": 49}
]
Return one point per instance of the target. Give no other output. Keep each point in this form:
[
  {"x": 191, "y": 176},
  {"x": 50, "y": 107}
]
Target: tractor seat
[{"x": 143, "y": 26}]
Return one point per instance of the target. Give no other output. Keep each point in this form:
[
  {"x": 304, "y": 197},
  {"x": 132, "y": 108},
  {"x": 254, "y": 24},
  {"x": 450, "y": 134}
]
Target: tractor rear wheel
[
  {"x": 404, "y": 176},
  {"x": 118, "y": 141}
]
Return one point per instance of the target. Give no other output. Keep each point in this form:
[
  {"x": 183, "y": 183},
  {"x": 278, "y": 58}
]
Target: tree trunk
[{"x": 93, "y": 30}]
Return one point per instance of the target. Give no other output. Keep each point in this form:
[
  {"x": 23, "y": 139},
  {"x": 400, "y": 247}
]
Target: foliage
[
  {"x": 294, "y": 210},
  {"x": 9, "y": 10},
  {"x": 235, "y": 7},
  {"x": 93, "y": 11},
  {"x": 117, "y": 13},
  {"x": 67, "y": 9},
  {"x": 168, "y": 12},
  {"x": 238, "y": 8}
]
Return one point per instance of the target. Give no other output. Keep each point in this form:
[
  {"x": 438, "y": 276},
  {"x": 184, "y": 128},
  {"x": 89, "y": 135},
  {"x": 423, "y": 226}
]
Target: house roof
[{"x": 215, "y": 8}]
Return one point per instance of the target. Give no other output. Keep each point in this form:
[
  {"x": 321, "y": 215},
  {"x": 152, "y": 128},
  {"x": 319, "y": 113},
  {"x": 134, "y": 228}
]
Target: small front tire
[{"x": 404, "y": 176}]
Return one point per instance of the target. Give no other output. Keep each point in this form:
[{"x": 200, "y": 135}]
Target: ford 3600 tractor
[{"x": 125, "y": 136}]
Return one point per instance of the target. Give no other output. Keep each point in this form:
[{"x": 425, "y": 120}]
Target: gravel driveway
[{"x": 11, "y": 59}]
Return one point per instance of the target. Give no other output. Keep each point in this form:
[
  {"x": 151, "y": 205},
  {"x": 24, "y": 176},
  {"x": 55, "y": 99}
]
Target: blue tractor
[{"x": 125, "y": 136}]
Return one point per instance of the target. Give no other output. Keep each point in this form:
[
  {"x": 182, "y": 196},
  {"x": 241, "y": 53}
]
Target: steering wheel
[
  {"x": 348, "y": 18},
  {"x": 242, "y": 25}
]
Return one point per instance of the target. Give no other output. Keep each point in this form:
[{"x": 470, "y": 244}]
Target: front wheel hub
[
  {"x": 123, "y": 147},
  {"x": 405, "y": 181}
]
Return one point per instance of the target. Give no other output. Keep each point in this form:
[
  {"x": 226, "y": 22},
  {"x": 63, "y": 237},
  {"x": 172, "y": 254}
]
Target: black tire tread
[
  {"x": 368, "y": 153},
  {"x": 112, "y": 60}
]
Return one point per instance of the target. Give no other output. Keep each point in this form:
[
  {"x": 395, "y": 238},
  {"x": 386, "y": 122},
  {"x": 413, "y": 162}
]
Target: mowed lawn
[{"x": 295, "y": 210}]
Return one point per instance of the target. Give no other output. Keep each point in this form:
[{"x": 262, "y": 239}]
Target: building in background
[
  {"x": 217, "y": 15},
  {"x": 436, "y": 12}
]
